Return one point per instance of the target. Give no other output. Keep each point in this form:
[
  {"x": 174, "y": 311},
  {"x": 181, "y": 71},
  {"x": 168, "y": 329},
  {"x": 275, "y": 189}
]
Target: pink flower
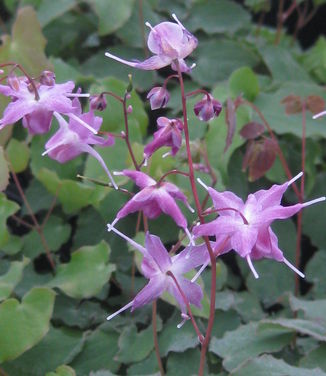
[
  {"x": 169, "y": 133},
  {"x": 154, "y": 199},
  {"x": 73, "y": 139},
  {"x": 156, "y": 264},
  {"x": 170, "y": 43},
  {"x": 207, "y": 108},
  {"x": 245, "y": 227},
  {"x": 36, "y": 113},
  {"x": 158, "y": 97}
]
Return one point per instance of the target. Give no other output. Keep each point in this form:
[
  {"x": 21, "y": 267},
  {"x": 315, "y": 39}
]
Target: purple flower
[
  {"x": 156, "y": 264},
  {"x": 169, "y": 133},
  {"x": 170, "y": 43},
  {"x": 73, "y": 139},
  {"x": 36, "y": 113},
  {"x": 207, "y": 108},
  {"x": 158, "y": 97},
  {"x": 245, "y": 227},
  {"x": 153, "y": 199}
]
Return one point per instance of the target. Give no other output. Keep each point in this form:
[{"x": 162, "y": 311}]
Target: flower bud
[
  {"x": 98, "y": 102},
  {"x": 129, "y": 109},
  {"x": 207, "y": 108},
  {"x": 47, "y": 78},
  {"x": 158, "y": 97},
  {"x": 13, "y": 82}
]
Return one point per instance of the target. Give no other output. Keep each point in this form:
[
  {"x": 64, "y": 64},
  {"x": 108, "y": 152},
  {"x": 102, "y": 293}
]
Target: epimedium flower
[
  {"x": 169, "y": 42},
  {"x": 169, "y": 133},
  {"x": 36, "y": 104},
  {"x": 158, "y": 97},
  {"x": 207, "y": 108},
  {"x": 154, "y": 199},
  {"x": 72, "y": 139},
  {"x": 157, "y": 266},
  {"x": 245, "y": 226}
]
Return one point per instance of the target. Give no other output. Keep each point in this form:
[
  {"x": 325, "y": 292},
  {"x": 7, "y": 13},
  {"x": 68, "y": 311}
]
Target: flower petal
[
  {"x": 157, "y": 251},
  {"x": 141, "y": 179},
  {"x": 169, "y": 207},
  {"x": 154, "y": 288},
  {"x": 243, "y": 241}
]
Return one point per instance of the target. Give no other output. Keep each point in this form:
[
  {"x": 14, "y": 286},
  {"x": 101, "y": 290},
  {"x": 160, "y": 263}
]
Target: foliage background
[{"x": 55, "y": 325}]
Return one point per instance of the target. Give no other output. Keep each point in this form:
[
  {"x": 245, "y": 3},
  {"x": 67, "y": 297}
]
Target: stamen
[
  {"x": 295, "y": 178},
  {"x": 110, "y": 226},
  {"x": 192, "y": 210},
  {"x": 48, "y": 150},
  {"x": 202, "y": 184},
  {"x": 120, "y": 310},
  {"x": 82, "y": 122},
  {"x": 252, "y": 267},
  {"x": 314, "y": 201},
  {"x": 319, "y": 115},
  {"x": 145, "y": 162},
  {"x": 185, "y": 318},
  {"x": 130, "y": 63},
  {"x": 191, "y": 239},
  {"x": 166, "y": 154},
  {"x": 193, "y": 65},
  {"x": 286, "y": 262},
  {"x": 203, "y": 267},
  {"x": 177, "y": 20},
  {"x": 77, "y": 95},
  {"x": 140, "y": 248}
]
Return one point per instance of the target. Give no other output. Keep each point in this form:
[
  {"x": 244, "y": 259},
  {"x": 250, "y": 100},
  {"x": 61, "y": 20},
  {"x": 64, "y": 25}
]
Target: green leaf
[
  {"x": 86, "y": 273},
  {"x": 266, "y": 365},
  {"x": 24, "y": 324},
  {"x": 312, "y": 309},
  {"x": 171, "y": 340},
  {"x": 18, "y": 155},
  {"x": 314, "y": 60},
  {"x": 311, "y": 328},
  {"x": 248, "y": 341},
  {"x": 63, "y": 344},
  {"x": 37, "y": 196},
  {"x": 315, "y": 357},
  {"x": 148, "y": 367},
  {"x": 64, "y": 71},
  {"x": 244, "y": 81},
  {"x": 136, "y": 346},
  {"x": 315, "y": 272},
  {"x": 185, "y": 363},
  {"x": 26, "y": 43},
  {"x": 7, "y": 208},
  {"x": 217, "y": 17},
  {"x": 9, "y": 280},
  {"x": 273, "y": 110},
  {"x": 98, "y": 353},
  {"x": 63, "y": 371},
  {"x": 112, "y": 15},
  {"x": 4, "y": 171},
  {"x": 282, "y": 65},
  {"x": 56, "y": 233},
  {"x": 84, "y": 314},
  {"x": 50, "y": 10},
  {"x": 228, "y": 54},
  {"x": 73, "y": 195}
]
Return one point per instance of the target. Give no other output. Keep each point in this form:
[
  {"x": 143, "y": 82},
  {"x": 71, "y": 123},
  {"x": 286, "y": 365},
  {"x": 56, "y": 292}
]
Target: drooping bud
[
  {"x": 129, "y": 109},
  {"x": 158, "y": 97},
  {"x": 98, "y": 102},
  {"x": 207, "y": 108},
  {"x": 47, "y": 78}
]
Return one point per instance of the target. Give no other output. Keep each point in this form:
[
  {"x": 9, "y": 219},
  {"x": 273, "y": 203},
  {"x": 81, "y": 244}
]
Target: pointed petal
[
  {"x": 192, "y": 292},
  {"x": 140, "y": 201},
  {"x": 266, "y": 245},
  {"x": 156, "y": 249},
  {"x": 205, "y": 229},
  {"x": 169, "y": 207},
  {"x": 225, "y": 199},
  {"x": 150, "y": 292},
  {"x": 16, "y": 110},
  {"x": 243, "y": 241},
  {"x": 278, "y": 212},
  {"x": 140, "y": 178}
]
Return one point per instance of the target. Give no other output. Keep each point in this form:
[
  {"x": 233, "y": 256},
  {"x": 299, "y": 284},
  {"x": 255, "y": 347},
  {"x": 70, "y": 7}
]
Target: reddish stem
[
  {"x": 157, "y": 350},
  {"x": 279, "y": 22},
  {"x": 172, "y": 172},
  {"x": 200, "y": 336},
  {"x": 198, "y": 91},
  {"x": 198, "y": 207}
]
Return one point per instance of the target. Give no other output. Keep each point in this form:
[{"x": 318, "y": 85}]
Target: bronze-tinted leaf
[
  {"x": 293, "y": 104},
  {"x": 252, "y": 130},
  {"x": 315, "y": 104}
]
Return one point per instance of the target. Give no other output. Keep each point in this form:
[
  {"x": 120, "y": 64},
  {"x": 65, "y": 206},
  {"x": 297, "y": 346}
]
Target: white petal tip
[{"x": 202, "y": 184}]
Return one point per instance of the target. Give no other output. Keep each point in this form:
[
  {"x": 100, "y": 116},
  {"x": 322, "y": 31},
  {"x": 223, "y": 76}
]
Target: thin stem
[
  {"x": 125, "y": 115},
  {"x": 168, "y": 79},
  {"x": 22, "y": 222},
  {"x": 49, "y": 212},
  {"x": 142, "y": 28},
  {"x": 198, "y": 91},
  {"x": 37, "y": 226},
  {"x": 172, "y": 172},
  {"x": 157, "y": 350},
  {"x": 200, "y": 336},
  {"x": 279, "y": 22},
  {"x": 117, "y": 97},
  {"x": 203, "y": 152},
  {"x": 274, "y": 138},
  {"x": 198, "y": 207}
]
